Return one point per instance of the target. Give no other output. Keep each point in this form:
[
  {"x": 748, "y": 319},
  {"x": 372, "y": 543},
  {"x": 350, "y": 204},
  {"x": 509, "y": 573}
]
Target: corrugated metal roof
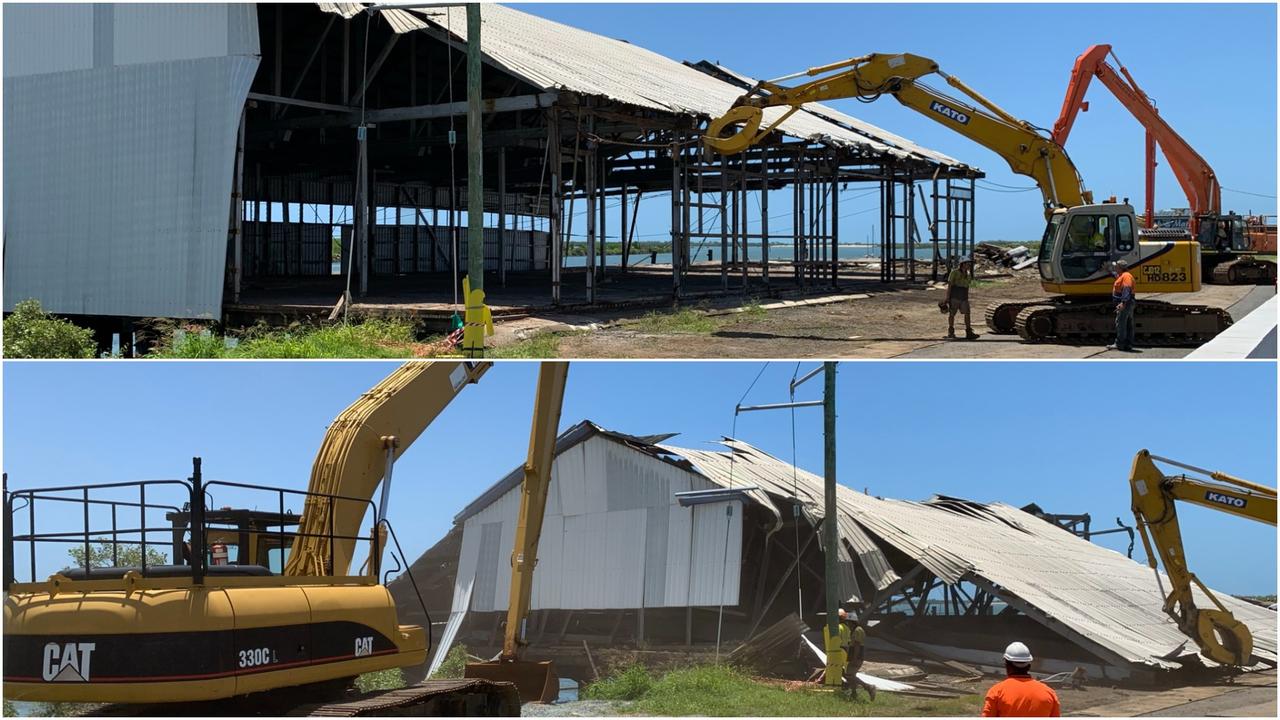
[
  {"x": 554, "y": 56},
  {"x": 1098, "y": 597},
  {"x": 118, "y": 145}
]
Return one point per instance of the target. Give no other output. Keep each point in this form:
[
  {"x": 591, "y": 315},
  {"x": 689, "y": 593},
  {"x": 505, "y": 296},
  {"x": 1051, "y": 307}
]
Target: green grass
[
  {"x": 389, "y": 679},
  {"x": 371, "y": 338},
  {"x": 720, "y": 690},
  {"x": 686, "y": 320},
  {"x": 541, "y": 345},
  {"x": 753, "y": 310}
]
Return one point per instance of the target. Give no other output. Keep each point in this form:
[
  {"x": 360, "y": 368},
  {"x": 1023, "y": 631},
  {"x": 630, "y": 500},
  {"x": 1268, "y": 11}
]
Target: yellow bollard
[{"x": 477, "y": 321}]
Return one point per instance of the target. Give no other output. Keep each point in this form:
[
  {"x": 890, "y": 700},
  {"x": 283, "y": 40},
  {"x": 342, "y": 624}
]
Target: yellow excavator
[
  {"x": 1082, "y": 238},
  {"x": 1220, "y": 636},
  {"x": 211, "y": 628}
]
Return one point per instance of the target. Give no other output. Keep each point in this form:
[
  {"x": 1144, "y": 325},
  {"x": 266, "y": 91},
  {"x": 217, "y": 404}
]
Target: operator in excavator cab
[{"x": 1085, "y": 236}]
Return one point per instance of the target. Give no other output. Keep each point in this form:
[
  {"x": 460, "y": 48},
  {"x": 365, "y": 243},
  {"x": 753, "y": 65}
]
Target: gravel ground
[{"x": 576, "y": 708}]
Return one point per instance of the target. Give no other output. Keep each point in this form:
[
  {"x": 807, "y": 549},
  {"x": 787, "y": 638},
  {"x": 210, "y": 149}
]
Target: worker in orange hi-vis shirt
[
  {"x": 1122, "y": 296},
  {"x": 1020, "y": 695}
]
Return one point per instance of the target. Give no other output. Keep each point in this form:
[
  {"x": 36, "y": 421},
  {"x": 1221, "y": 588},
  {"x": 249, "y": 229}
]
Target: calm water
[{"x": 776, "y": 252}]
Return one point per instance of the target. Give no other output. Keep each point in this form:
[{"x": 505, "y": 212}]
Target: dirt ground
[{"x": 867, "y": 322}]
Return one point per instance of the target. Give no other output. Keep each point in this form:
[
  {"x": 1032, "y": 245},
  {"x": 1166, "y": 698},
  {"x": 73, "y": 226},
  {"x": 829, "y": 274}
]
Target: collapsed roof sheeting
[
  {"x": 1096, "y": 597},
  {"x": 554, "y": 56}
]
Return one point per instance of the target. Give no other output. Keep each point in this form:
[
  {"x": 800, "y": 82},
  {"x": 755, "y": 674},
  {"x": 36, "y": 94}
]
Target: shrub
[
  {"x": 454, "y": 663},
  {"x": 30, "y": 332},
  {"x": 630, "y": 683}
]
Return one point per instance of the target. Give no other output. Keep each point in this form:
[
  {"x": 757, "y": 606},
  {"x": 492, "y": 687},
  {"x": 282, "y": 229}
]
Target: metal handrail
[{"x": 200, "y": 499}]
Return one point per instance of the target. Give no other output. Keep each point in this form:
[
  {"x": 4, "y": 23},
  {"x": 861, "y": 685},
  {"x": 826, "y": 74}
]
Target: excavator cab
[{"x": 1080, "y": 244}]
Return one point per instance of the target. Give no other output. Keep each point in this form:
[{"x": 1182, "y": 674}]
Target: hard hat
[
  {"x": 966, "y": 259},
  {"x": 1018, "y": 653}
]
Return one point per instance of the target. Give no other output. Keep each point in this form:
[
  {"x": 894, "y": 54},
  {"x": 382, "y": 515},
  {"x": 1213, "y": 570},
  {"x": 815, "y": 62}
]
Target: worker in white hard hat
[
  {"x": 1019, "y": 694},
  {"x": 957, "y": 299},
  {"x": 854, "y": 639}
]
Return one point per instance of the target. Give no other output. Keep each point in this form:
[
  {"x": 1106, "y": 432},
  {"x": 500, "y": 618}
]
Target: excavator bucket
[{"x": 535, "y": 681}]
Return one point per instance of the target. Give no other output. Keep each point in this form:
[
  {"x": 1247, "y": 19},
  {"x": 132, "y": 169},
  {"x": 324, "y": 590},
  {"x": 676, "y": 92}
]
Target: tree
[
  {"x": 30, "y": 332},
  {"x": 129, "y": 555}
]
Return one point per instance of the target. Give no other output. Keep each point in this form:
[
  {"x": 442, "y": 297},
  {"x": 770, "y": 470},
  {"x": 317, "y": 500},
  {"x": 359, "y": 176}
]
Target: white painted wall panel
[
  {"x": 717, "y": 554},
  {"x": 606, "y": 559},
  {"x": 570, "y": 473},
  {"x": 45, "y": 38},
  {"x": 679, "y": 537},
  {"x": 596, "y": 494},
  {"x": 548, "y": 574},
  {"x": 160, "y": 32},
  {"x": 624, "y": 535},
  {"x": 117, "y": 178}
]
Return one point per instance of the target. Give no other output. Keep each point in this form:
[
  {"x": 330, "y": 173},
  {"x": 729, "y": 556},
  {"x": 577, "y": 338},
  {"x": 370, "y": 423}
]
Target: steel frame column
[{"x": 556, "y": 202}]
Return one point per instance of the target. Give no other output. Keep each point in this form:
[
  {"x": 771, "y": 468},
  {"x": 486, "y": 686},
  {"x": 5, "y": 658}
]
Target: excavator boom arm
[
  {"x": 533, "y": 500},
  {"x": 868, "y": 77},
  {"x": 353, "y": 458},
  {"x": 1193, "y": 172},
  {"x": 1219, "y": 635}
]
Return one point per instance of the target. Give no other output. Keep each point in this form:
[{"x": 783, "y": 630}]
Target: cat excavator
[
  {"x": 213, "y": 628},
  {"x": 1220, "y": 636},
  {"x": 1225, "y": 253},
  {"x": 1082, "y": 238}
]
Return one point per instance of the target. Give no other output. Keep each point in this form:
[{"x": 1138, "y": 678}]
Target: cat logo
[
  {"x": 68, "y": 662},
  {"x": 1224, "y": 499},
  {"x": 949, "y": 112},
  {"x": 364, "y": 646}
]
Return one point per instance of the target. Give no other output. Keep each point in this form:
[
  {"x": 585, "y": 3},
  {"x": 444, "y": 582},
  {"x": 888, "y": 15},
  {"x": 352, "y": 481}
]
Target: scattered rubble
[{"x": 1016, "y": 258}]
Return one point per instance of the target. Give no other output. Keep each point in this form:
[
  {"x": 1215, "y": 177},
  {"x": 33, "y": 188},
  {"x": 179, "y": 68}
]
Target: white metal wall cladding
[
  {"x": 613, "y": 537},
  {"x": 119, "y": 139}
]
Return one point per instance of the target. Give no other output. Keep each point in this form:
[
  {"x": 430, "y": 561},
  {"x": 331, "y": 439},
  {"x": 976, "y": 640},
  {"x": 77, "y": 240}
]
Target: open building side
[{"x": 198, "y": 161}]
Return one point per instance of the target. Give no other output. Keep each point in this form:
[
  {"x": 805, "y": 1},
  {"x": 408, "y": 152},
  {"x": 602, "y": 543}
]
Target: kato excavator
[
  {"x": 1225, "y": 254},
  {"x": 1082, "y": 238},
  {"x": 214, "y": 628},
  {"x": 1220, "y": 636}
]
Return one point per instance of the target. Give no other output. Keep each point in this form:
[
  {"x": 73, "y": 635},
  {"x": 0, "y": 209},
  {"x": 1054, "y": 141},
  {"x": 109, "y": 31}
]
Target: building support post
[
  {"x": 830, "y": 523},
  {"x": 676, "y": 194},
  {"x": 589, "y": 198},
  {"x": 835, "y": 227},
  {"x": 556, "y": 202},
  {"x": 475, "y": 153},
  {"x": 502, "y": 216},
  {"x": 237, "y": 215},
  {"x": 724, "y": 223},
  {"x": 764, "y": 216}
]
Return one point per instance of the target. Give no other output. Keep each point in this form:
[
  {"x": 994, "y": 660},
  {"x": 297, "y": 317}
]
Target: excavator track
[
  {"x": 1002, "y": 316},
  {"x": 464, "y": 697},
  {"x": 1156, "y": 323},
  {"x": 1244, "y": 270}
]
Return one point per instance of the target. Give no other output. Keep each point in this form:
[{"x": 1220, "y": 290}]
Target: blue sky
[
  {"x": 1210, "y": 68},
  {"x": 1058, "y": 434}
]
